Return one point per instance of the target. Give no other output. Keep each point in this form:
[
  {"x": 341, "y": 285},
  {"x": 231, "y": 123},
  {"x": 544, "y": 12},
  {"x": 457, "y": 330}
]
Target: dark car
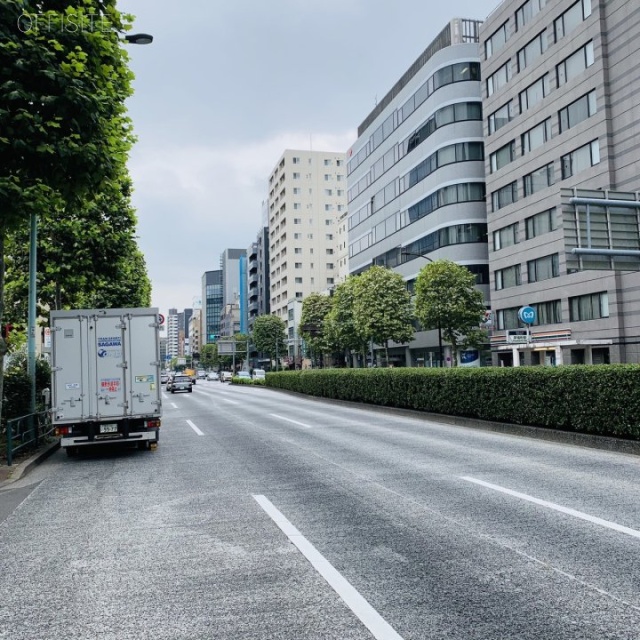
[{"x": 179, "y": 383}]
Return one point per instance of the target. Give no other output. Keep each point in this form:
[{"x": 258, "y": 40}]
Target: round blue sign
[{"x": 527, "y": 315}]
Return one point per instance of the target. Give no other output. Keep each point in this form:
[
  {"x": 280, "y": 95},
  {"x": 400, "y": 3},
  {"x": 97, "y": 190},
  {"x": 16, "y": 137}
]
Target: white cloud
[{"x": 195, "y": 201}]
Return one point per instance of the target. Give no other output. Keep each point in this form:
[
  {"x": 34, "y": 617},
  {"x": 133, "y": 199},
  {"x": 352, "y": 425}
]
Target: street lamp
[
  {"x": 420, "y": 255},
  {"x": 138, "y": 38}
]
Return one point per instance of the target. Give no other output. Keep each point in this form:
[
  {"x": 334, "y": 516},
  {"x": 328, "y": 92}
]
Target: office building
[
  {"x": 307, "y": 195},
  {"x": 212, "y": 305},
  {"x": 233, "y": 263},
  {"x": 416, "y": 174},
  {"x": 560, "y": 104}
]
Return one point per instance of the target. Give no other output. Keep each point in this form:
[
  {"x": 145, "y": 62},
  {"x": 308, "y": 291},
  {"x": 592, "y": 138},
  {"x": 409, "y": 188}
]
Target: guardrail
[{"x": 27, "y": 432}]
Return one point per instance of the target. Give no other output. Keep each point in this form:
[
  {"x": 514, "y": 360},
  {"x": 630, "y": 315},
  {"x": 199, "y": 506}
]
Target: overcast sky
[{"x": 226, "y": 87}]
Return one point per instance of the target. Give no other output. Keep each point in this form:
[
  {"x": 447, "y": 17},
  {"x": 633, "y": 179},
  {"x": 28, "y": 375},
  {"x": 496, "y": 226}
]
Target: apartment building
[
  {"x": 560, "y": 85},
  {"x": 307, "y": 195},
  {"x": 173, "y": 344},
  {"x": 416, "y": 184}
]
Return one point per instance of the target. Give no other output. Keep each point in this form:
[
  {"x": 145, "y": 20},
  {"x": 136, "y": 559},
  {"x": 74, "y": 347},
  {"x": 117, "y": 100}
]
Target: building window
[
  {"x": 536, "y": 137},
  {"x": 297, "y": 191},
  {"x": 540, "y": 179},
  {"x": 297, "y": 205},
  {"x": 329, "y": 266},
  {"x": 328, "y": 207},
  {"x": 534, "y": 93},
  {"x": 296, "y": 176},
  {"x": 580, "y": 159},
  {"x": 532, "y": 51},
  {"x": 327, "y": 177},
  {"x": 589, "y": 307},
  {"x": 505, "y": 196},
  {"x": 298, "y": 280},
  {"x": 328, "y": 192},
  {"x": 297, "y": 221},
  {"x": 338, "y": 163},
  {"x": 328, "y": 223},
  {"x": 575, "y": 64},
  {"x": 540, "y": 224},
  {"x": 508, "y": 277},
  {"x": 499, "y": 78},
  {"x": 330, "y": 281},
  {"x": 501, "y": 117},
  {"x": 496, "y": 41},
  {"x": 298, "y": 294},
  {"x": 298, "y": 265},
  {"x": 571, "y": 18},
  {"x": 297, "y": 250},
  {"x": 503, "y": 156},
  {"x": 329, "y": 252},
  {"x": 577, "y": 111},
  {"x": 527, "y": 11},
  {"x": 548, "y": 312},
  {"x": 543, "y": 268},
  {"x": 507, "y": 319},
  {"x": 505, "y": 237},
  {"x": 297, "y": 236},
  {"x": 327, "y": 162},
  {"x": 329, "y": 236}
]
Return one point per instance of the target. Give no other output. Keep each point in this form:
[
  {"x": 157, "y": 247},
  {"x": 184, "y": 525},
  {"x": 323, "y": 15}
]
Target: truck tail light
[
  {"x": 63, "y": 431},
  {"x": 152, "y": 424}
]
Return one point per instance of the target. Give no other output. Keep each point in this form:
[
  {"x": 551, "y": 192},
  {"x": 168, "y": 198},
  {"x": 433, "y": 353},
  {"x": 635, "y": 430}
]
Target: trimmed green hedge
[{"x": 600, "y": 399}]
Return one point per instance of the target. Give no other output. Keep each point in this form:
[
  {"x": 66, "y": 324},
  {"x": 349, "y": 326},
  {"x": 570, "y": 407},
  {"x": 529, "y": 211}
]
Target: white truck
[{"x": 105, "y": 370}]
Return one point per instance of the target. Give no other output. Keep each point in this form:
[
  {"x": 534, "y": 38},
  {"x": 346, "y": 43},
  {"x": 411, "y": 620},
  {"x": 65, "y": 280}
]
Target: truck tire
[{"x": 190, "y": 389}]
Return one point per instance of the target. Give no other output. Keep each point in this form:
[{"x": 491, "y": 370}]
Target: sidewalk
[{"x": 22, "y": 466}]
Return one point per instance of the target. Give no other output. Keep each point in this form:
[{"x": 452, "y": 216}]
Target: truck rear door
[{"x": 143, "y": 364}]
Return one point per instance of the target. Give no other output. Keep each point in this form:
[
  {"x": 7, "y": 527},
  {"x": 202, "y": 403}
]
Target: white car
[
  {"x": 244, "y": 375},
  {"x": 259, "y": 374},
  {"x": 212, "y": 375},
  {"x": 226, "y": 376}
]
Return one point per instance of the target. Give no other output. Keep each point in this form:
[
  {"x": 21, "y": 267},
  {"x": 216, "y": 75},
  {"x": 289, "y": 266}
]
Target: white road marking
[
  {"x": 557, "y": 507},
  {"x": 301, "y": 424},
  {"x": 370, "y": 618},
  {"x": 193, "y": 426},
  {"x": 174, "y": 405},
  {"x": 230, "y": 401}
]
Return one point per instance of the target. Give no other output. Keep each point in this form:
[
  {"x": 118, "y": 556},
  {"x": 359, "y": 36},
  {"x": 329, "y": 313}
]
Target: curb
[{"x": 20, "y": 470}]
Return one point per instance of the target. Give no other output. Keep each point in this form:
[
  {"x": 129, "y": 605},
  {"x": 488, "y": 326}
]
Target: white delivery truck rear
[{"x": 105, "y": 367}]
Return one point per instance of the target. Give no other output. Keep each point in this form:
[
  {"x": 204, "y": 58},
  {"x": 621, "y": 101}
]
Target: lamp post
[
  {"x": 138, "y": 38},
  {"x": 441, "y": 353}
]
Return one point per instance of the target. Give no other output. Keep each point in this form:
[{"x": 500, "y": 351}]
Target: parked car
[
  {"x": 226, "y": 376},
  {"x": 259, "y": 374},
  {"x": 180, "y": 383},
  {"x": 243, "y": 375},
  {"x": 212, "y": 375}
]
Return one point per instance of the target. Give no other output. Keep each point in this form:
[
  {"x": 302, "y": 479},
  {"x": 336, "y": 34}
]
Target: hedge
[{"x": 598, "y": 399}]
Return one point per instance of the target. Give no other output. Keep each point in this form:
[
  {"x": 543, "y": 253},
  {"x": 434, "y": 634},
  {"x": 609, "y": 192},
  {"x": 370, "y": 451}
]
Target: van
[{"x": 259, "y": 374}]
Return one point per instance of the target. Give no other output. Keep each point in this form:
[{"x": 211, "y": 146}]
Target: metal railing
[{"x": 27, "y": 432}]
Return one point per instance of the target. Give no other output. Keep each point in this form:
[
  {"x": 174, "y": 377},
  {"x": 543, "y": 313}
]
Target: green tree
[
  {"x": 446, "y": 298},
  {"x": 209, "y": 356},
  {"x": 339, "y": 322},
  {"x": 64, "y": 131},
  {"x": 270, "y": 337},
  {"x": 382, "y": 307},
  {"x": 315, "y": 308}
]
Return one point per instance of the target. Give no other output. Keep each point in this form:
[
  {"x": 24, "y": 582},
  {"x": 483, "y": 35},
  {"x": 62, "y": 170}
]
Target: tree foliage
[
  {"x": 209, "y": 356},
  {"x": 269, "y": 336},
  {"x": 446, "y": 298},
  {"x": 315, "y": 308},
  {"x": 382, "y": 307},
  {"x": 64, "y": 130},
  {"x": 340, "y": 323}
]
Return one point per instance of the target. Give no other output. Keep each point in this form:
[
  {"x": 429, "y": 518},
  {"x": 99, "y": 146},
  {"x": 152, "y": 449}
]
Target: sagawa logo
[{"x": 110, "y": 347}]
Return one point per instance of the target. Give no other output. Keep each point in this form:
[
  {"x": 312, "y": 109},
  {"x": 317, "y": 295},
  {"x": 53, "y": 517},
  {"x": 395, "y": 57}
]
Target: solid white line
[
  {"x": 193, "y": 426},
  {"x": 301, "y": 424},
  {"x": 379, "y": 627},
  {"x": 230, "y": 401},
  {"x": 174, "y": 405},
  {"x": 557, "y": 507}
]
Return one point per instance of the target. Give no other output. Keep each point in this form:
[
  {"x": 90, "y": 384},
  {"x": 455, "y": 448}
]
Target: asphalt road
[{"x": 263, "y": 515}]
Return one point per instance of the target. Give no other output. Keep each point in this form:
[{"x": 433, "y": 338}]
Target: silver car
[{"x": 180, "y": 383}]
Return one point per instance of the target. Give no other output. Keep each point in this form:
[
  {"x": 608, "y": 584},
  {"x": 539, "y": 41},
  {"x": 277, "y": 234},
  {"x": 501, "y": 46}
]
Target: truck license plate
[{"x": 108, "y": 428}]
